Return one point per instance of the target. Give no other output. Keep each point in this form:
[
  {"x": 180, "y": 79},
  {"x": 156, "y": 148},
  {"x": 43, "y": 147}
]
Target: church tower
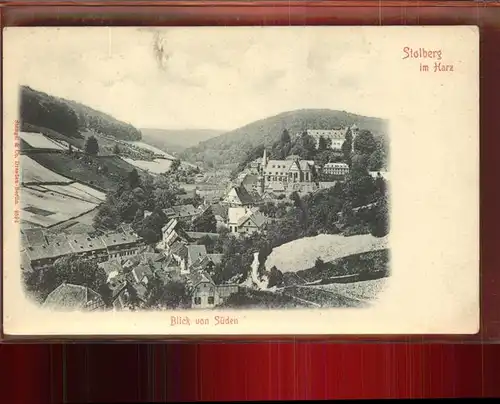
[
  {"x": 262, "y": 168},
  {"x": 354, "y": 133}
]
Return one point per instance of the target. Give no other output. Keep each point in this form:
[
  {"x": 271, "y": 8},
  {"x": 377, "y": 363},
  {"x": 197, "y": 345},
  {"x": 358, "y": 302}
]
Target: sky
[{"x": 205, "y": 77}]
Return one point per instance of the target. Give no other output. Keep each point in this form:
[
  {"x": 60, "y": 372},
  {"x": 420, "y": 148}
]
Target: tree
[
  {"x": 74, "y": 270},
  {"x": 174, "y": 295},
  {"x": 319, "y": 264},
  {"x": 116, "y": 149},
  {"x": 285, "y": 137},
  {"x": 376, "y": 160},
  {"x": 347, "y": 147},
  {"x": 175, "y": 165},
  {"x": 275, "y": 277},
  {"x": 379, "y": 226},
  {"x": 134, "y": 179},
  {"x": 92, "y": 146},
  {"x": 70, "y": 149},
  {"x": 365, "y": 143},
  {"x": 322, "y": 144},
  {"x": 107, "y": 216},
  {"x": 205, "y": 222}
]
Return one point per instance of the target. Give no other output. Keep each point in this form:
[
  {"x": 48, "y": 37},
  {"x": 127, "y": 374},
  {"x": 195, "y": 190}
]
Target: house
[
  {"x": 240, "y": 196},
  {"x": 246, "y": 221},
  {"x": 178, "y": 252},
  {"x": 336, "y": 169},
  {"x": 205, "y": 294},
  {"x": 142, "y": 274},
  {"x": 171, "y": 233},
  {"x": 250, "y": 181},
  {"x": 69, "y": 297},
  {"x": 195, "y": 253},
  {"x": 326, "y": 184},
  {"x": 87, "y": 246},
  {"x": 215, "y": 258},
  {"x": 275, "y": 175},
  {"x": 122, "y": 243},
  {"x": 44, "y": 255},
  {"x": 184, "y": 213},
  {"x": 202, "y": 290}
]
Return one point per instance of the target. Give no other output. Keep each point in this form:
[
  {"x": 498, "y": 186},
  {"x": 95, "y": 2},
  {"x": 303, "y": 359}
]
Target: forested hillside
[
  {"x": 69, "y": 117},
  {"x": 232, "y": 147}
]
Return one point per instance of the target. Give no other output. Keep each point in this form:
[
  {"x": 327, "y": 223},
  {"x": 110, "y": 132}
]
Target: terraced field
[
  {"x": 33, "y": 172},
  {"x": 48, "y": 207},
  {"x": 39, "y": 141}
]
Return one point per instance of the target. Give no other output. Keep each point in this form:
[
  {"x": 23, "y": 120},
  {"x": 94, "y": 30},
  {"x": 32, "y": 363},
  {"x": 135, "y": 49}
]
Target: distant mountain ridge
[
  {"x": 70, "y": 117},
  {"x": 232, "y": 147},
  {"x": 176, "y": 140}
]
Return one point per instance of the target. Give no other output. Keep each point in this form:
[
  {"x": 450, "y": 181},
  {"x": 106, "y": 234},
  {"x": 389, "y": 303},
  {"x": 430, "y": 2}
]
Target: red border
[{"x": 170, "y": 13}]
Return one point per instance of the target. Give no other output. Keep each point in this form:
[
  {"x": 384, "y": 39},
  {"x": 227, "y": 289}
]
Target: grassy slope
[{"x": 87, "y": 173}]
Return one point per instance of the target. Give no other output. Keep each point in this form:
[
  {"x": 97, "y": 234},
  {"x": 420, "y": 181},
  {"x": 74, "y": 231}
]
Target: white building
[
  {"x": 339, "y": 169},
  {"x": 335, "y": 138}
]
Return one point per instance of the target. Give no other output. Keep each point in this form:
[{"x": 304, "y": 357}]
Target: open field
[
  {"x": 77, "y": 191},
  {"x": 364, "y": 290},
  {"x": 49, "y": 208},
  {"x": 157, "y": 166},
  {"x": 39, "y": 141},
  {"x": 302, "y": 253},
  {"x": 146, "y": 146},
  {"x": 32, "y": 171}
]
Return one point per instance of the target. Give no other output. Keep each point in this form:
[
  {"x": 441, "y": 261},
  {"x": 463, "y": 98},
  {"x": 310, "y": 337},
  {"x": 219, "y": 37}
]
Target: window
[
  {"x": 197, "y": 300},
  {"x": 210, "y": 300}
]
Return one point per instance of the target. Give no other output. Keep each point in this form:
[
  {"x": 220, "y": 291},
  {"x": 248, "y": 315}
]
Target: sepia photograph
[{"x": 239, "y": 173}]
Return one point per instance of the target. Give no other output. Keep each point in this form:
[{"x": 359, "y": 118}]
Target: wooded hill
[
  {"x": 233, "y": 146},
  {"x": 70, "y": 117}
]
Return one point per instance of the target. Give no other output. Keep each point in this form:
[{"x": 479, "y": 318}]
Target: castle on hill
[{"x": 335, "y": 138}]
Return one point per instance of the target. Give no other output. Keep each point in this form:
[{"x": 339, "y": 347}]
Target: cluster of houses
[{"x": 136, "y": 272}]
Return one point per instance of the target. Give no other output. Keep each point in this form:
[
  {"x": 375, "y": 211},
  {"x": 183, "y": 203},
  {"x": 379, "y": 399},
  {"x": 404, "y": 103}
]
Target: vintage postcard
[{"x": 241, "y": 180}]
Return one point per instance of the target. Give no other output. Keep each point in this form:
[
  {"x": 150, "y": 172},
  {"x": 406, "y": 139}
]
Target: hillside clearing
[
  {"x": 104, "y": 173},
  {"x": 302, "y": 253},
  {"x": 157, "y": 166},
  {"x": 39, "y": 141},
  {"x": 32, "y": 171},
  {"x": 49, "y": 208}
]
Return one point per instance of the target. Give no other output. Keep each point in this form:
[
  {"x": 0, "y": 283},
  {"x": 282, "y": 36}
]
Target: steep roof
[
  {"x": 215, "y": 258},
  {"x": 244, "y": 196},
  {"x": 220, "y": 210},
  {"x": 235, "y": 214},
  {"x": 142, "y": 271},
  {"x": 195, "y": 278},
  {"x": 73, "y": 297},
  {"x": 196, "y": 252}
]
